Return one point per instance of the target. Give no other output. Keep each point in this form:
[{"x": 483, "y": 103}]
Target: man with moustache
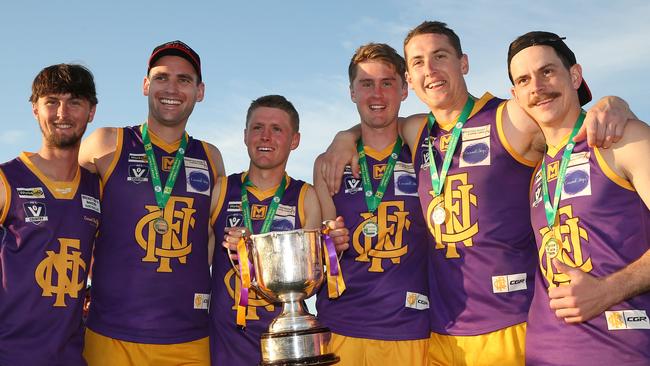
[
  {"x": 591, "y": 219},
  {"x": 151, "y": 278},
  {"x": 49, "y": 212},
  {"x": 474, "y": 158}
]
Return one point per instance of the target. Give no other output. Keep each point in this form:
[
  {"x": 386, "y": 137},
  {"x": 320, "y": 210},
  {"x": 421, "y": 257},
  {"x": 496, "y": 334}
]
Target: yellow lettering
[{"x": 70, "y": 271}]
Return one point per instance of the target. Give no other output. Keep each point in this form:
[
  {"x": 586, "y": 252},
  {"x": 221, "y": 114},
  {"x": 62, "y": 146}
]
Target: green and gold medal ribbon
[
  {"x": 551, "y": 209},
  {"x": 438, "y": 180},
  {"x": 244, "y": 263},
  {"x": 373, "y": 200},
  {"x": 162, "y": 195}
]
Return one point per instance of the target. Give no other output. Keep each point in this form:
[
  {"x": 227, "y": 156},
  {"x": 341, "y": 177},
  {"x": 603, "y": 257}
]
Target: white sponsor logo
[
  {"x": 627, "y": 319},
  {"x": 234, "y": 206},
  {"x": 416, "y": 301},
  {"x": 90, "y": 203},
  {"x": 284, "y": 210},
  {"x": 196, "y": 163},
  {"x": 35, "y": 212},
  {"x": 474, "y": 133},
  {"x": 35, "y": 192},
  {"x": 201, "y": 301},
  {"x": 509, "y": 283},
  {"x": 137, "y": 158}
]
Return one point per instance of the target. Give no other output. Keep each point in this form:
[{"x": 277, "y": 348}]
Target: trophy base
[{"x": 297, "y": 348}]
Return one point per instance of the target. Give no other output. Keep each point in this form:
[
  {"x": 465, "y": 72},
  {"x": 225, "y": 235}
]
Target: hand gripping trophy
[{"x": 287, "y": 267}]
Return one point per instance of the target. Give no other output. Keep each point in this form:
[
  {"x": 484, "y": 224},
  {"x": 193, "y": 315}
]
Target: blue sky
[{"x": 297, "y": 48}]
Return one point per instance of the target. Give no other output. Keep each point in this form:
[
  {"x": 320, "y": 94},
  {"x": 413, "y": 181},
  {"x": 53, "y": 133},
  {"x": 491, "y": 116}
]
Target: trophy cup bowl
[{"x": 288, "y": 269}]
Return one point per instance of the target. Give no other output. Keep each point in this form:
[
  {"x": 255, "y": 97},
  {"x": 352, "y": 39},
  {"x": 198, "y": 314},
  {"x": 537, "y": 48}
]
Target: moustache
[{"x": 544, "y": 96}]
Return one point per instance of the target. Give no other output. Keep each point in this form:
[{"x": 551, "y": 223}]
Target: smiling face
[
  {"x": 435, "y": 71},
  {"x": 544, "y": 87},
  {"x": 62, "y": 119},
  {"x": 270, "y": 137},
  {"x": 172, "y": 89},
  {"x": 378, "y": 91}
]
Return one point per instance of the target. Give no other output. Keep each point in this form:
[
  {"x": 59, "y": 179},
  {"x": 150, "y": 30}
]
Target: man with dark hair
[
  {"x": 151, "y": 277},
  {"x": 383, "y": 317},
  {"x": 263, "y": 199},
  {"x": 474, "y": 158},
  {"x": 591, "y": 219},
  {"x": 49, "y": 212}
]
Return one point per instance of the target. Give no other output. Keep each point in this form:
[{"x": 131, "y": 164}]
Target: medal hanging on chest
[
  {"x": 370, "y": 227},
  {"x": 439, "y": 214},
  {"x": 553, "y": 245},
  {"x": 160, "y": 224}
]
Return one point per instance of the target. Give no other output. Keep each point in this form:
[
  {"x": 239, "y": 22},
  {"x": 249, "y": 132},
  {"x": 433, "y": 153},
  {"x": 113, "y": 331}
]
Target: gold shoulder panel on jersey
[
  {"x": 301, "y": 202},
  {"x": 423, "y": 127},
  {"x": 5, "y": 208},
  {"x": 504, "y": 141},
  {"x": 59, "y": 190},
  {"x": 220, "y": 200},
  {"x": 213, "y": 168},
  {"x": 116, "y": 157},
  {"x": 609, "y": 172}
]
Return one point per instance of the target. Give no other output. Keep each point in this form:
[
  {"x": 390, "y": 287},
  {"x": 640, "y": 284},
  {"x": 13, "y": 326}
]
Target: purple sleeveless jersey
[
  {"x": 603, "y": 225},
  {"x": 229, "y": 344},
  {"x": 386, "y": 294},
  {"x": 148, "y": 287},
  {"x": 482, "y": 266},
  {"x": 47, "y": 237}
]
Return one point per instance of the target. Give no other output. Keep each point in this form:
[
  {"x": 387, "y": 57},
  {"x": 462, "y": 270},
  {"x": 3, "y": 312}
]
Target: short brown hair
[
  {"x": 275, "y": 101},
  {"x": 377, "y": 52},
  {"x": 74, "y": 79},
  {"x": 435, "y": 27}
]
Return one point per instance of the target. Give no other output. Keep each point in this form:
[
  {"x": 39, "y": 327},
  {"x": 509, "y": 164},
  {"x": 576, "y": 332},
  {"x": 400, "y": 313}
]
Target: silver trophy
[{"x": 288, "y": 268}]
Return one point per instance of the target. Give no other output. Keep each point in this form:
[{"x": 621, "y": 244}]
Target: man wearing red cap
[
  {"x": 151, "y": 279},
  {"x": 591, "y": 219}
]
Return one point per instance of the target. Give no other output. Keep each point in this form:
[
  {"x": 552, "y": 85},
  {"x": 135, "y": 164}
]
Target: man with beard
[
  {"x": 151, "y": 278},
  {"x": 49, "y": 214}
]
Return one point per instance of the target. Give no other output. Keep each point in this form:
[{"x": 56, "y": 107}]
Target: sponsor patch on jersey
[
  {"x": 579, "y": 158},
  {"x": 196, "y": 163},
  {"x": 627, "y": 319},
  {"x": 404, "y": 179},
  {"x": 509, "y": 283},
  {"x": 475, "y": 153},
  {"x": 138, "y": 158},
  {"x": 475, "y": 133},
  {"x": 416, "y": 301},
  {"x": 198, "y": 181},
  {"x": 352, "y": 184},
  {"x": 235, "y": 220},
  {"x": 285, "y": 223},
  {"x": 425, "y": 152},
  {"x": 201, "y": 301},
  {"x": 35, "y": 212},
  {"x": 31, "y": 193},
  {"x": 138, "y": 173},
  {"x": 537, "y": 198},
  {"x": 577, "y": 182},
  {"x": 234, "y": 206},
  {"x": 285, "y": 210},
  {"x": 90, "y": 203}
]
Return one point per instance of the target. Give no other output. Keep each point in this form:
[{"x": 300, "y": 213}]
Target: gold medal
[
  {"x": 439, "y": 215},
  {"x": 552, "y": 247},
  {"x": 370, "y": 229},
  {"x": 160, "y": 226}
]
